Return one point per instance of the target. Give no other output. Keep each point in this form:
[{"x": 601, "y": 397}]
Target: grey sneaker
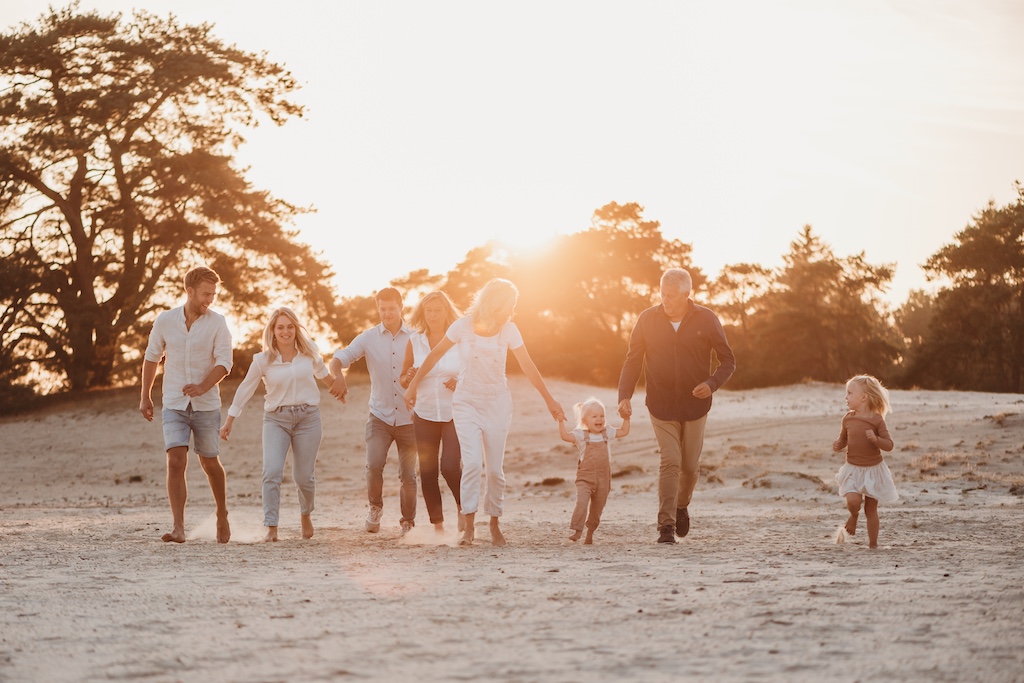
[{"x": 373, "y": 519}]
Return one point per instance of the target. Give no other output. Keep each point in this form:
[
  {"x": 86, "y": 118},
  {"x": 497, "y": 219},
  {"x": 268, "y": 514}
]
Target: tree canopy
[
  {"x": 117, "y": 175},
  {"x": 975, "y": 338}
]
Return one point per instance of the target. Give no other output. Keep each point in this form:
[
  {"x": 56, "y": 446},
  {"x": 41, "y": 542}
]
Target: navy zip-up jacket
[{"x": 674, "y": 362}]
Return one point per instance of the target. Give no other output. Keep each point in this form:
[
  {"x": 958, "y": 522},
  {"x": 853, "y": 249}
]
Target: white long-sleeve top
[
  {"x": 287, "y": 384},
  {"x": 433, "y": 398}
]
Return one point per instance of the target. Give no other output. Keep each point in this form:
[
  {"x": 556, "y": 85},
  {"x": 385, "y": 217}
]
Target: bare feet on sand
[
  {"x": 497, "y": 538},
  {"x": 223, "y": 528},
  {"x": 271, "y": 536},
  {"x": 307, "y": 526},
  {"x": 576, "y": 536},
  {"x": 589, "y": 540},
  {"x": 439, "y": 528},
  {"x": 176, "y": 536},
  {"x": 851, "y": 525},
  {"x": 469, "y": 532}
]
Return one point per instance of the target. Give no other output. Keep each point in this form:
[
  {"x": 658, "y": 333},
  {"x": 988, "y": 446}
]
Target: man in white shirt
[
  {"x": 390, "y": 421},
  {"x": 196, "y": 345}
]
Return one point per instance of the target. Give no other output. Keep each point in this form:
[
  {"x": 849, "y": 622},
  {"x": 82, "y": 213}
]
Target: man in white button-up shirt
[
  {"x": 390, "y": 421},
  {"x": 195, "y": 344}
]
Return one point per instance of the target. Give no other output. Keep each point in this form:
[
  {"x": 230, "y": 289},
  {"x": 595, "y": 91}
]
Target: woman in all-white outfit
[
  {"x": 482, "y": 404},
  {"x": 289, "y": 365},
  {"x": 432, "y": 420}
]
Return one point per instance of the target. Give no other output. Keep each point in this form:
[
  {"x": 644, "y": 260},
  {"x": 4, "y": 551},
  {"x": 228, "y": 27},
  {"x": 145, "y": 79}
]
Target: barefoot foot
[
  {"x": 223, "y": 528},
  {"x": 589, "y": 540},
  {"x": 575, "y": 536},
  {"x": 439, "y": 528},
  {"x": 851, "y": 525},
  {"x": 307, "y": 526},
  {"x": 176, "y": 536},
  {"x": 271, "y": 536},
  {"x": 497, "y": 538}
]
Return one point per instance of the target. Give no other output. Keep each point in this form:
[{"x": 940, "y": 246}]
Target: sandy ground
[{"x": 759, "y": 591}]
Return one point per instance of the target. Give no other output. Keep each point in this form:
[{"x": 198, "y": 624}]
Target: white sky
[{"x": 435, "y": 126}]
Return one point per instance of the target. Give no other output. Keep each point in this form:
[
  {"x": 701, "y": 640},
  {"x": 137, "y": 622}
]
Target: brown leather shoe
[
  {"x": 666, "y": 535},
  {"x": 682, "y": 522}
]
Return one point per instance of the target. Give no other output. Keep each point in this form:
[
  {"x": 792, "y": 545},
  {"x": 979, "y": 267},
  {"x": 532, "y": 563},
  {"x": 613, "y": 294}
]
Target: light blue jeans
[{"x": 299, "y": 427}]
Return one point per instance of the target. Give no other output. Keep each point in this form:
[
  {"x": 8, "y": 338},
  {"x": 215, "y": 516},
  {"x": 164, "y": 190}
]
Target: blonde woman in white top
[
  {"x": 432, "y": 420},
  {"x": 289, "y": 366},
  {"x": 482, "y": 405}
]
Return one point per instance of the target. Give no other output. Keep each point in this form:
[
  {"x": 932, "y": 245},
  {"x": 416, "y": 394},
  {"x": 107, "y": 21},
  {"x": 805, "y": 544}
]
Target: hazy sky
[{"x": 435, "y": 126}]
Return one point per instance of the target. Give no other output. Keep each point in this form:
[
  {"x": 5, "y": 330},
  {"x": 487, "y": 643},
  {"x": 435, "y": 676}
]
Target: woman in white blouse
[
  {"x": 432, "y": 420},
  {"x": 289, "y": 365}
]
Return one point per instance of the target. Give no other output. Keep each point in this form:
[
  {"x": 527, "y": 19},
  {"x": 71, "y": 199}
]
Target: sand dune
[{"x": 758, "y": 591}]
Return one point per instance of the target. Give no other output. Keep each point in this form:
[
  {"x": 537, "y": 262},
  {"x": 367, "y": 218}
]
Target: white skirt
[{"x": 875, "y": 482}]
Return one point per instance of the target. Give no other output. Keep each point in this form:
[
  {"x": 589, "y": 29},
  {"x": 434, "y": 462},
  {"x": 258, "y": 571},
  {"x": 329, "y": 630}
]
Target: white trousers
[{"x": 482, "y": 421}]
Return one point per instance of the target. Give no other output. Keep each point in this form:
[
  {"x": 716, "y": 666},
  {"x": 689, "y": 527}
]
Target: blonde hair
[
  {"x": 583, "y": 408},
  {"x": 493, "y": 305},
  {"x": 878, "y": 396},
  {"x": 419, "y": 320},
  {"x": 303, "y": 344}
]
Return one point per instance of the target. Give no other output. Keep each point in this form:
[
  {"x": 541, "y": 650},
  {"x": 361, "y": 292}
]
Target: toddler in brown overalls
[{"x": 594, "y": 470}]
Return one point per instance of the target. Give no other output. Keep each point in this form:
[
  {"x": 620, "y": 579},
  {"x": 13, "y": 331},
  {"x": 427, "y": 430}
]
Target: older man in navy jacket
[{"x": 673, "y": 343}]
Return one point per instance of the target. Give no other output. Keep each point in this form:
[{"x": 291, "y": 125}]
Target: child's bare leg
[
  {"x": 497, "y": 538},
  {"x": 853, "y": 505},
  {"x": 589, "y": 540},
  {"x": 467, "y": 535},
  {"x": 271, "y": 534},
  {"x": 576, "y": 534},
  {"x": 307, "y": 526},
  {"x": 871, "y": 517}
]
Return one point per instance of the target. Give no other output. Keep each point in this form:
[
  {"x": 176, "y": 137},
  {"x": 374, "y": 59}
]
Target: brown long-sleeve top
[{"x": 859, "y": 450}]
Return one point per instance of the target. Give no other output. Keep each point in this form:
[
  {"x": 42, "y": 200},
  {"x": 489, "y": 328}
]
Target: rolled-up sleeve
[
  {"x": 157, "y": 344},
  {"x": 222, "y": 346}
]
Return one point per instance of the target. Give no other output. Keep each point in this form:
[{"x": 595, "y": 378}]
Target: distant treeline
[
  {"x": 819, "y": 317},
  {"x": 118, "y": 174}
]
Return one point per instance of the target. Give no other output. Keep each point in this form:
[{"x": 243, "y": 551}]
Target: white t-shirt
[
  {"x": 288, "y": 384},
  {"x": 483, "y": 358},
  {"x": 433, "y": 398}
]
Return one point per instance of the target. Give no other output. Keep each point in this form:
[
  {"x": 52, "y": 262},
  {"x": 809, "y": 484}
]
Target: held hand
[
  {"x": 339, "y": 388},
  {"x": 625, "y": 409},
  {"x": 410, "y": 398},
  {"x": 702, "y": 390},
  {"x": 146, "y": 408},
  {"x": 450, "y": 384},
  {"x": 555, "y": 408}
]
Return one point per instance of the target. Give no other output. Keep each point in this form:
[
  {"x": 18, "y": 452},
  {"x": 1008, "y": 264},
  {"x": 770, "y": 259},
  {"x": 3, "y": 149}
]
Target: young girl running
[
  {"x": 482, "y": 403},
  {"x": 865, "y": 476},
  {"x": 594, "y": 471}
]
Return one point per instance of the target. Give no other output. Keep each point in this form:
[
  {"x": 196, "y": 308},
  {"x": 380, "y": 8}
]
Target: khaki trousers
[{"x": 680, "y": 444}]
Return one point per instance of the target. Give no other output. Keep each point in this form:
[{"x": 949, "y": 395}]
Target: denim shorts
[{"x": 203, "y": 425}]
